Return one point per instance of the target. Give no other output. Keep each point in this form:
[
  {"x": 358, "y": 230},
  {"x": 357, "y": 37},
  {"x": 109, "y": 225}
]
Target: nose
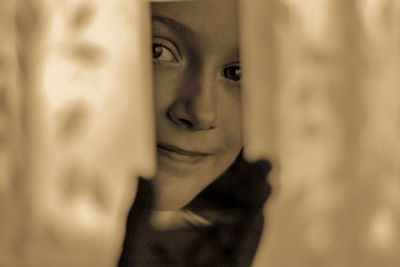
[{"x": 196, "y": 106}]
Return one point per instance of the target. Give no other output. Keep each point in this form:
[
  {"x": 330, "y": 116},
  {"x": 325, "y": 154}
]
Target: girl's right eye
[{"x": 161, "y": 53}]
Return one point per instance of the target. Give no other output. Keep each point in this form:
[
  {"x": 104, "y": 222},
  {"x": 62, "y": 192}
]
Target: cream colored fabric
[
  {"x": 81, "y": 98},
  {"x": 322, "y": 101}
]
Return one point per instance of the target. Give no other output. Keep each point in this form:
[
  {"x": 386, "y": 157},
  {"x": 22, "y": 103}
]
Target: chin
[
  {"x": 175, "y": 193},
  {"x": 177, "y": 183}
]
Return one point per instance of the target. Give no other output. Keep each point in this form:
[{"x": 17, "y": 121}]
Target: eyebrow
[
  {"x": 172, "y": 23},
  {"x": 178, "y": 26}
]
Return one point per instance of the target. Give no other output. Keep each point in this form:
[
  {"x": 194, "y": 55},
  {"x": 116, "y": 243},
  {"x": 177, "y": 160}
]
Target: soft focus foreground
[
  {"x": 322, "y": 101},
  {"x": 76, "y": 128},
  {"x": 321, "y": 97}
]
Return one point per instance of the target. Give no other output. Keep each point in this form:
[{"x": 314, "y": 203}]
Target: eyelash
[{"x": 166, "y": 47}]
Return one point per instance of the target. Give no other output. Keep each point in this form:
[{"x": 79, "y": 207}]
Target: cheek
[
  {"x": 167, "y": 82},
  {"x": 164, "y": 85},
  {"x": 231, "y": 120}
]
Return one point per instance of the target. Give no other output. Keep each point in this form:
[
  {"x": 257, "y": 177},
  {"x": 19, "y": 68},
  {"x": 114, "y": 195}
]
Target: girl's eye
[
  {"x": 233, "y": 73},
  {"x": 163, "y": 54}
]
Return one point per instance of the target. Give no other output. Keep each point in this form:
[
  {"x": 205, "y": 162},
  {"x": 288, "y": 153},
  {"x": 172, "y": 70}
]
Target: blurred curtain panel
[
  {"x": 76, "y": 127},
  {"x": 322, "y": 101},
  {"x": 10, "y": 129}
]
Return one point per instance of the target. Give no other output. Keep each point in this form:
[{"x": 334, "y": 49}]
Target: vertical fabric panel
[
  {"x": 259, "y": 62},
  {"x": 10, "y": 134},
  {"x": 87, "y": 123},
  {"x": 332, "y": 106}
]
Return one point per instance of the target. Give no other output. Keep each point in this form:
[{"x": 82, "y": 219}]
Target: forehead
[{"x": 211, "y": 20}]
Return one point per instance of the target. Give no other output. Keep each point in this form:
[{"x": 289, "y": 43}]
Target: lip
[
  {"x": 181, "y": 151},
  {"x": 181, "y": 158}
]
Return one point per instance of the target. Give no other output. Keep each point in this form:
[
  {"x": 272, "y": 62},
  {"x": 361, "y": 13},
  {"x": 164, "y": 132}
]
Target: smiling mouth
[
  {"x": 181, "y": 155},
  {"x": 182, "y": 151}
]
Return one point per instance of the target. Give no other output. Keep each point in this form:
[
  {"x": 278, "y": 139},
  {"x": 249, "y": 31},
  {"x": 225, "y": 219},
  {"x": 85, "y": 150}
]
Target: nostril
[{"x": 187, "y": 122}]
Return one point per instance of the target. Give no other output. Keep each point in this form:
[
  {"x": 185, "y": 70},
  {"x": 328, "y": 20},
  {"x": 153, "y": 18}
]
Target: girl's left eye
[
  {"x": 233, "y": 73},
  {"x": 163, "y": 54}
]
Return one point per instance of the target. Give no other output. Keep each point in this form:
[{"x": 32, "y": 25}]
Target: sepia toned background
[{"x": 321, "y": 101}]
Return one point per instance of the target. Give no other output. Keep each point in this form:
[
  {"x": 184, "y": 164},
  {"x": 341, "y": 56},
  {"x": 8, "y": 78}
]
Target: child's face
[{"x": 197, "y": 85}]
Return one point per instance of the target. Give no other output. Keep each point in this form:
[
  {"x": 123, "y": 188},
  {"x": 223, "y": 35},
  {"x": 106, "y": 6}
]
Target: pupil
[
  {"x": 157, "y": 51},
  {"x": 233, "y": 73}
]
